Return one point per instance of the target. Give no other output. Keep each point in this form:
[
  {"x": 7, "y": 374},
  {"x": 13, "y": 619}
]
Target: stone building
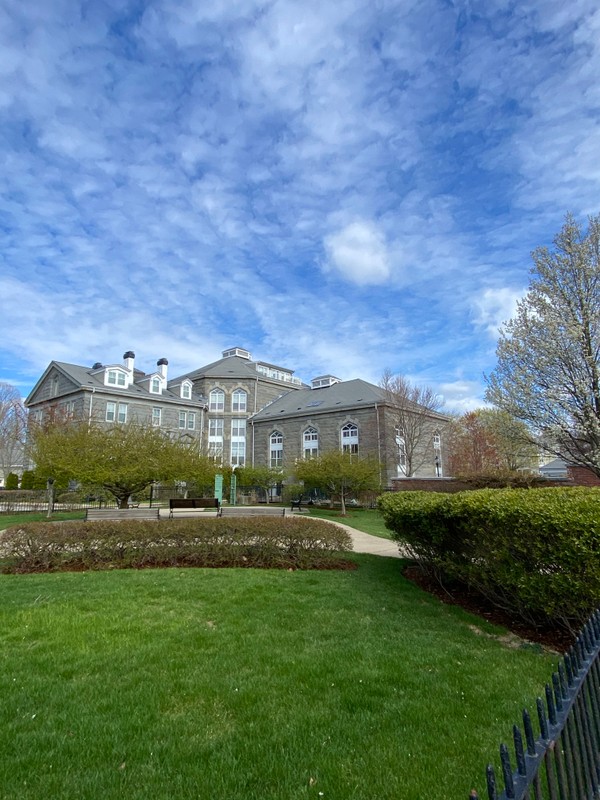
[
  {"x": 117, "y": 393},
  {"x": 353, "y": 416}
]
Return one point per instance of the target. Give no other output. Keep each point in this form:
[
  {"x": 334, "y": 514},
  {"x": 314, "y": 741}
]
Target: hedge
[
  {"x": 74, "y": 545},
  {"x": 535, "y": 553}
]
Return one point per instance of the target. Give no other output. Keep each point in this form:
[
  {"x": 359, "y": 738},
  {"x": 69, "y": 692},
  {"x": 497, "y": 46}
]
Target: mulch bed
[{"x": 459, "y": 595}]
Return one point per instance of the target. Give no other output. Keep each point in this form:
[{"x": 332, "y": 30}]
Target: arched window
[
  {"x": 155, "y": 385},
  {"x": 310, "y": 440},
  {"x": 401, "y": 459},
  {"x": 186, "y": 390},
  {"x": 349, "y": 435},
  {"x": 239, "y": 400},
  {"x": 437, "y": 453},
  {"x": 276, "y": 449},
  {"x": 216, "y": 400}
]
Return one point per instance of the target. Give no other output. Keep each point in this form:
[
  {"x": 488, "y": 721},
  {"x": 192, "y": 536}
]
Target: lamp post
[{"x": 50, "y": 494}]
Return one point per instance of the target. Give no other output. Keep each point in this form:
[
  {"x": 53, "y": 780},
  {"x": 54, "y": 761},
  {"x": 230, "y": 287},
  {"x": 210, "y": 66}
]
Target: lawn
[
  {"x": 18, "y": 518},
  {"x": 368, "y": 520},
  {"x": 251, "y": 684}
]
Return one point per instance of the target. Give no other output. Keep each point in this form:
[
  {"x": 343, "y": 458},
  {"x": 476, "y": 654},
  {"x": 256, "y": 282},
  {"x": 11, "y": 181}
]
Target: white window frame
[
  {"x": 400, "y": 450},
  {"x": 349, "y": 438},
  {"x": 239, "y": 401},
  {"x": 191, "y": 421},
  {"x": 182, "y": 420},
  {"x": 155, "y": 386},
  {"x": 216, "y": 400},
  {"x": 115, "y": 377},
  {"x": 156, "y": 417},
  {"x": 186, "y": 390},
  {"x": 276, "y": 450},
  {"x": 122, "y": 413},
  {"x": 111, "y": 411},
  {"x": 310, "y": 442},
  {"x": 238, "y": 452}
]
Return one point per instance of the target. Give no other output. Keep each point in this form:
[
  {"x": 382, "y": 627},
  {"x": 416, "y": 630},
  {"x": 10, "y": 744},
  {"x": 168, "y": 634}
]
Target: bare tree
[
  {"x": 548, "y": 371},
  {"x": 12, "y": 429},
  {"x": 414, "y": 411}
]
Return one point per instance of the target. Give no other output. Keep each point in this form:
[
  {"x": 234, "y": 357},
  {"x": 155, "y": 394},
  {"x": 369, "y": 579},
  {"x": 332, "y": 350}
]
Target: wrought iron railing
[{"x": 563, "y": 762}]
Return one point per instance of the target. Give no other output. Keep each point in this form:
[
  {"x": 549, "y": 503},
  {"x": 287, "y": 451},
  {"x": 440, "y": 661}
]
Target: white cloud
[
  {"x": 358, "y": 252},
  {"x": 493, "y": 307}
]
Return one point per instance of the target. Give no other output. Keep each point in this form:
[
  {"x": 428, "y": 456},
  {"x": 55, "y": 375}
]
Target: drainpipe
[
  {"x": 379, "y": 436},
  {"x": 91, "y": 403}
]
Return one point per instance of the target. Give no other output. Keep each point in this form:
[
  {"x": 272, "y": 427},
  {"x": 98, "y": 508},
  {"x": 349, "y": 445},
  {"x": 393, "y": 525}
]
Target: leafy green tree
[
  {"x": 339, "y": 474},
  {"x": 123, "y": 459},
  {"x": 548, "y": 371},
  {"x": 263, "y": 478}
]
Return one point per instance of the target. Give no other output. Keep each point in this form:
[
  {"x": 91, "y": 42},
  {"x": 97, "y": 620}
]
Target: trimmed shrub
[
  {"x": 241, "y": 542},
  {"x": 12, "y": 481},
  {"x": 533, "y": 553}
]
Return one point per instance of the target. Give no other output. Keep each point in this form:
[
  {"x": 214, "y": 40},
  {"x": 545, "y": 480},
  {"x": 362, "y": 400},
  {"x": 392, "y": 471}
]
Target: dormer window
[
  {"x": 186, "y": 391},
  {"x": 114, "y": 377},
  {"x": 155, "y": 385}
]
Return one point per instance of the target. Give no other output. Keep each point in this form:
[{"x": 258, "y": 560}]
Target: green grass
[
  {"x": 368, "y": 520},
  {"x": 254, "y": 684},
  {"x": 6, "y": 520}
]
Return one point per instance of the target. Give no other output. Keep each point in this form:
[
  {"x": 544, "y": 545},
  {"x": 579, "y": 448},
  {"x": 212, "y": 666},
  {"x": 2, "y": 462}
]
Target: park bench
[
  {"x": 122, "y": 513},
  {"x": 251, "y": 511},
  {"x": 297, "y": 503},
  {"x": 192, "y": 504}
]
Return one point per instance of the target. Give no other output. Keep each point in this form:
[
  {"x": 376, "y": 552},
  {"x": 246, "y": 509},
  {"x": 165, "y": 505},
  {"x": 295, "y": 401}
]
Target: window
[
  {"x": 216, "y": 400},
  {"x": 215, "y": 438},
  {"x": 122, "y": 413},
  {"x": 350, "y": 438},
  {"x": 182, "y": 419},
  {"x": 310, "y": 440},
  {"x": 54, "y": 386},
  {"x": 156, "y": 417},
  {"x": 111, "y": 411},
  {"x": 276, "y": 449},
  {"x": 191, "y": 422},
  {"x": 155, "y": 385},
  {"x": 401, "y": 459},
  {"x": 437, "y": 449},
  {"x": 239, "y": 400},
  {"x": 186, "y": 390},
  {"x": 115, "y": 377},
  {"x": 238, "y": 428},
  {"x": 238, "y": 453},
  {"x": 437, "y": 441}
]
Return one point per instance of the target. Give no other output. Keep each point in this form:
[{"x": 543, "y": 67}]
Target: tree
[
  {"x": 489, "y": 440},
  {"x": 414, "y": 411},
  {"x": 548, "y": 371},
  {"x": 13, "y": 424},
  {"x": 340, "y": 474},
  {"x": 263, "y": 478},
  {"x": 123, "y": 459}
]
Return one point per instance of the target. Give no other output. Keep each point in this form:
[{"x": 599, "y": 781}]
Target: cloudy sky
[{"x": 339, "y": 187}]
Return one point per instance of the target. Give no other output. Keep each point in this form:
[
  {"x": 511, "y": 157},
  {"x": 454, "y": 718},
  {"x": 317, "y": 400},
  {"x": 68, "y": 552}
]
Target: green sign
[
  {"x": 219, "y": 488},
  {"x": 233, "y": 492}
]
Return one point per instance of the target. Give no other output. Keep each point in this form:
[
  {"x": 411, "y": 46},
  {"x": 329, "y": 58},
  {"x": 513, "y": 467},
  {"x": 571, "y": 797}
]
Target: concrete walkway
[{"x": 365, "y": 543}]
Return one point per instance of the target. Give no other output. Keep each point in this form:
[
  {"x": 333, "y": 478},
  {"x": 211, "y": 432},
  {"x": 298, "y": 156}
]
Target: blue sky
[{"x": 338, "y": 187}]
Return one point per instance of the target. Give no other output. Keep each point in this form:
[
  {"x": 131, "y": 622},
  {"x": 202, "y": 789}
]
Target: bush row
[
  {"x": 74, "y": 545},
  {"x": 535, "y": 553}
]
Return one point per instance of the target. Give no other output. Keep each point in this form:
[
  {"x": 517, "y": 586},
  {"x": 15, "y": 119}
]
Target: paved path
[{"x": 365, "y": 543}]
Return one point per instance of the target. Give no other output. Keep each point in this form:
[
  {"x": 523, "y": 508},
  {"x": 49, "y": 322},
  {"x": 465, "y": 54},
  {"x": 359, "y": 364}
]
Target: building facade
[
  {"x": 118, "y": 393},
  {"x": 243, "y": 412}
]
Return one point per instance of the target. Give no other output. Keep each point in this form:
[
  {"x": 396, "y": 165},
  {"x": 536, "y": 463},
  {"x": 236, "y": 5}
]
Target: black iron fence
[
  {"x": 563, "y": 762},
  {"x": 23, "y": 500}
]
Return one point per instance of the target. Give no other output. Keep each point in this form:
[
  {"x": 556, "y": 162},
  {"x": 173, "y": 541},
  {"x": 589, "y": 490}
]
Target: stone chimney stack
[
  {"x": 162, "y": 365},
  {"x": 129, "y": 359}
]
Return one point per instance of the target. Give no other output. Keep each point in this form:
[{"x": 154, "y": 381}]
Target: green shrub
[
  {"x": 12, "y": 481},
  {"x": 286, "y": 543},
  {"x": 534, "y": 553}
]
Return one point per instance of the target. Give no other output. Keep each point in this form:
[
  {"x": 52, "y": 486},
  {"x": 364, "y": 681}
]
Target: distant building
[{"x": 240, "y": 411}]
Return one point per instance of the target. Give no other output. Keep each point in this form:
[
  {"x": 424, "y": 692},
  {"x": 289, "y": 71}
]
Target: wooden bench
[
  {"x": 192, "y": 504},
  {"x": 122, "y": 513},
  {"x": 251, "y": 511}
]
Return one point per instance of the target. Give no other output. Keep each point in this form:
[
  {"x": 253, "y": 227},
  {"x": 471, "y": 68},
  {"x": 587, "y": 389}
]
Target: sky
[{"x": 338, "y": 187}]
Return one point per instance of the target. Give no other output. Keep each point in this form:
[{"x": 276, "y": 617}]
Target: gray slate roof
[
  {"x": 88, "y": 378},
  {"x": 343, "y": 395}
]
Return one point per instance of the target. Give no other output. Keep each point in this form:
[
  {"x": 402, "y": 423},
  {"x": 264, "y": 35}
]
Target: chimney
[
  {"x": 129, "y": 358},
  {"x": 162, "y": 365}
]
